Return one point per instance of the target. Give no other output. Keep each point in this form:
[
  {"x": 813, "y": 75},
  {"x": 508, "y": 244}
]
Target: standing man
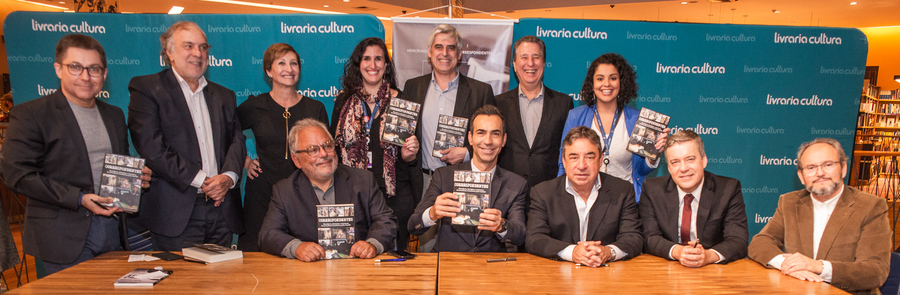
[
  {"x": 692, "y": 215},
  {"x": 535, "y": 115},
  {"x": 53, "y": 154},
  {"x": 827, "y": 232},
  {"x": 187, "y": 129},
  {"x": 290, "y": 226},
  {"x": 584, "y": 216},
  {"x": 504, "y": 220}
]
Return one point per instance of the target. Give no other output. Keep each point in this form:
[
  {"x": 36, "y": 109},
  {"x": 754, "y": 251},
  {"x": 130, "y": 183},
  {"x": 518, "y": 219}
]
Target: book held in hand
[
  {"x": 121, "y": 181},
  {"x": 643, "y": 138},
  {"x": 336, "y": 230},
  {"x": 451, "y": 132},
  {"x": 474, "y": 192},
  {"x": 211, "y": 253},
  {"x": 400, "y": 121},
  {"x": 142, "y": 277}
]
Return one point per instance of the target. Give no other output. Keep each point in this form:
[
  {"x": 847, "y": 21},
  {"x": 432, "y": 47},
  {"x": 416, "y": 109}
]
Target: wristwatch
[
  {"x": 502, "y": 226},
  {"x": 612, "y": 252}
]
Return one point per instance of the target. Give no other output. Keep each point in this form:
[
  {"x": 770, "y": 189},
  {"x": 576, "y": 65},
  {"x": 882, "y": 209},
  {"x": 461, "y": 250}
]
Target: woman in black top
[
  {"x": 369, "y": 85},
  {"x": 270, "y": 116}
]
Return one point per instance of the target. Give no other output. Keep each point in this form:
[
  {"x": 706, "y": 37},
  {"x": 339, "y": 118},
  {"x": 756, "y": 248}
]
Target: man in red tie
[{"x": 692, "y": 215}]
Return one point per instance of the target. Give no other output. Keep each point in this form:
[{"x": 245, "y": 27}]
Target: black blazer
[
  {"x": 45, "y": 159},
  {"x": 507, "y": 195},
  {"x": 536, "y": 163},
  {"x": 292, "y": 211},
  {"x": 721, "y": 217},
  {"x": 162, "y": 132},
  {"x": 553, "y": 220}
]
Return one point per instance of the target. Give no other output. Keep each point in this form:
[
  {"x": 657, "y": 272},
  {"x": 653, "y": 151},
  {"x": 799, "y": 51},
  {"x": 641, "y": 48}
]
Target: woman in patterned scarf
[{"x": 369, "y": 85}]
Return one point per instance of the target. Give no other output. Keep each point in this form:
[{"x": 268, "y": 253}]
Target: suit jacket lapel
[
  {"x": 183, "y": 112},
  {"x": 516, "y": 129},
  {"x": 671, "y": 205},
  {"x": 341, "y": 190},
  {"x": 598, "y": 210},
  {"x": 550, "y": 106},
  {"x": 805, "y": 218},
  {"x": 462, "y": 97},
  {"x": 842, "y": 211},
  {"x": 213, "y": 106},
  {"x": 569, "y": 211},
  {"x": 111, "y": 128},
  {"x": 67, "y": 119},
  {"x": 707, "y": 197}
]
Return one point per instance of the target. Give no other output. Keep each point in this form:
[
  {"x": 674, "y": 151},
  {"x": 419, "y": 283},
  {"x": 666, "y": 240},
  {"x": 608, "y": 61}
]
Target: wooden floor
[{"x": 10, "y": 279}]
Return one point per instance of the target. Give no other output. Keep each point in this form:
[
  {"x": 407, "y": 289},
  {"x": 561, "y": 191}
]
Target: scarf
[{"x": 350, "y": 135}]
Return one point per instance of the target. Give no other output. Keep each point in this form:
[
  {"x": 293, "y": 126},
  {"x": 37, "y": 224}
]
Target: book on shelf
[
  {"x": 121, "y": 181},
  {"x": 211, "y": 253},
  {"x": 473, "y": 190},
  {"x": 400, "y": 121},
  {"x": 643, "y": 137},
  {"x": 451, "y": 132},
  {"x": 142, "y": 277},
  {"x": 336, "y": 229}
]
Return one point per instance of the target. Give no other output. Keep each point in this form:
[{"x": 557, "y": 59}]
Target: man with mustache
[
  {"x": 828, "y": 231},
  {"x": 290, "y": 226},
  {"x": 187, "y": 129},
  {"x": 502, "y": 221},
  {"x": 692, "y": 215}
]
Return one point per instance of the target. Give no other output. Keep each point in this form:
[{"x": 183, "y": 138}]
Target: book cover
[
  {"x": 643, "y": 138},
  {"x": 211, "y": 253},
  {"x": 142, "y": 277},
  {"x": 336, "y": 230},
  {"x": 451, "y": 132},
  {"x": 121, "y": 181},
  {"x": 474, "y": 192},
  {"x": 400, "y": 121}
]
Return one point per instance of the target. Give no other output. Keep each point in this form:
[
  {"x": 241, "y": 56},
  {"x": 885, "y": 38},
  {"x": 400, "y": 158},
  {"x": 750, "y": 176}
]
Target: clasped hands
[
  {"x": 309, "y": 251},
  {"x": 215, "y": 187},
  {"x": 694, "y": 255},
  {"x": 446, "y": 205},
  {"x": 802, "y": 268},
  {"x": 591, "y": 253}
]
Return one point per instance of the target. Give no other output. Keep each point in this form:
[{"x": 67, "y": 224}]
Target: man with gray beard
[{"x": 828, "y": 232}]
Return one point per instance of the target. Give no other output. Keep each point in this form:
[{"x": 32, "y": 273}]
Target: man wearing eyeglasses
[
  {"x": 828, "y": 232},
  {"x": 187, "y": 129},
  {"x": 290, "y": 226},
  {"x": 53, "y": 154}
]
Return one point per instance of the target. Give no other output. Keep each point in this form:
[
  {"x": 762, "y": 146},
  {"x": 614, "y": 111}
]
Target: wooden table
[
  {"x": 257, "y": 273},
  {"x": 469, "y": 273}
]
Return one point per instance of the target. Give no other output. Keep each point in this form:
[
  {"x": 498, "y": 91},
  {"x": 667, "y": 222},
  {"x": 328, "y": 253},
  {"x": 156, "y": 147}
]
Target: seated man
[
  {"x": 692, "y": 215},
  {"x": 827, "y": 232},
  {"x": 584, "y": 216},
  {"x": 290, "y": 226},
  {"x": 503, "y": 219}
]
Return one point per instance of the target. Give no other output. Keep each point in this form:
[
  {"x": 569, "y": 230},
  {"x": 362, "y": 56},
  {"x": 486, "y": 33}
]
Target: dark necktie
[{"x": 686, "y": 219}]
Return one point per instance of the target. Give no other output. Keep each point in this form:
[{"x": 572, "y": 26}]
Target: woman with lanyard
[
  {"x": 610, "y": 84},
  {"x": 369, "y": 84},
  {"x": 270, "y": 116}
]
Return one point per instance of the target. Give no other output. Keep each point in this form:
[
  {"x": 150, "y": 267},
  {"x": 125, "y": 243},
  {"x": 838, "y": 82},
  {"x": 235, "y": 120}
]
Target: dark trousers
[
  {"x": 403, "y": 205},
  {"x": 102, "y": 237},
  {"x": 206, "y": 226}
]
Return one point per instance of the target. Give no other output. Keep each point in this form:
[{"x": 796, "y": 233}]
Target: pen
[
  {"x": 502, "y": 259},
  {"x": 389, "y": 260},
  {"x": 601, "y": 265}
]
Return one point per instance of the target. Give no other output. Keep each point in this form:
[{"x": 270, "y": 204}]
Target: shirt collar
[
  {"x": 453, "y": 83},
  {"x": 181, "y": 81},
  {"x": 695, "y": 193},
  {"x": 540, "y": 94},
  {"x": 493, "y": 170},
  {"x": 571, "y": 190},
  {"x": 829, "y": 203}
]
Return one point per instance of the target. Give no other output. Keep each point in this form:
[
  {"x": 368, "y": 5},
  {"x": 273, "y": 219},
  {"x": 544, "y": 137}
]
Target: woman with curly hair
[
  {"x": 369, "y": 84},
  {"x": 610, "y": 84}
]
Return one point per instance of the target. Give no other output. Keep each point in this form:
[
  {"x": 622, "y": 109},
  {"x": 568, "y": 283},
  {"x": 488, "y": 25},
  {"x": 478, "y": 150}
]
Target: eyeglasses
[
  {"x": 190, "y": 46},
  {"x": 317, "y": 150},
  {"x": 828, "y": 166},
  {"x": 76, "y": 70}
]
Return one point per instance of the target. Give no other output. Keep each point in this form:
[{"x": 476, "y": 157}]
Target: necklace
[{"x": 286, "y": 115}]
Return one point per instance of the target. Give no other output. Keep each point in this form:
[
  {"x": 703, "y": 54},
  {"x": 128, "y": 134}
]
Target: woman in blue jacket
[{"x": 610, "y": 84}]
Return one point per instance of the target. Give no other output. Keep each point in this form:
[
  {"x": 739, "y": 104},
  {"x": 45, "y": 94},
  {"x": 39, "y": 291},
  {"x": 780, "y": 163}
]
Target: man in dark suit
[
  {"x": 504, "y": 220},
  {"x": 827, "y": 232},
  {"x": 692, "y": 215},
  {"x": 290, "y": 226},
  {"x": 535, "y": 115},
  {"x": 443, "y": 92},
  {"x": 53, "y": 154},
  {"x": 584, "y": 216},
  {"x": 187, "y": 129}
]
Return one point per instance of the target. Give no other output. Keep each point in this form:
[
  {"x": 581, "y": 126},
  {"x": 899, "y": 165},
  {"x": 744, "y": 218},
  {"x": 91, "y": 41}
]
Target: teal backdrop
[{"x": 753, "y": 93}]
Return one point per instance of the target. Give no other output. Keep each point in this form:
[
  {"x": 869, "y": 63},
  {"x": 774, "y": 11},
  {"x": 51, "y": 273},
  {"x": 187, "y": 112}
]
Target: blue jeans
[{"x": 102, "y": 237}]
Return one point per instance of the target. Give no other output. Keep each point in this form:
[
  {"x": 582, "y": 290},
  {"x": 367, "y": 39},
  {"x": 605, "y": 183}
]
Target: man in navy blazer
[
  {"x": 53, "y": 154},
  {"x": 503, "y": 222},
  {"x": 187, "y": 129},
  {"x": 714, "y": 230},
  {"x": 290, "y": 226}
]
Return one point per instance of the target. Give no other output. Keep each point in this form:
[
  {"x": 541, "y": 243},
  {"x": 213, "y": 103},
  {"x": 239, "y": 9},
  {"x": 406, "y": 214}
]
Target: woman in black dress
[
  {"x": 369, "y": 85},
  {"x": 270, "y": 116}
]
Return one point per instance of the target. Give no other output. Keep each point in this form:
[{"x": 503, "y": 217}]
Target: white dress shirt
[
  {"x": 695, "y": 205},
  {"x": 619, "y": 158},
  {"x": 584, "y": 208},
  {"x": 821, "y": 213}
]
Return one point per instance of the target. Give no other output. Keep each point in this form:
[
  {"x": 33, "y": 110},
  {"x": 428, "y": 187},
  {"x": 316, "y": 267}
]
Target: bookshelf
[{"x": 877, "y": 141}]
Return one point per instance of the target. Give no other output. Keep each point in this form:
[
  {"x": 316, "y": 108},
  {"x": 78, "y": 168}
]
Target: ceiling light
[
  {"x": 346, "y": 0},
  {"x": 270, "y": 6},
  {"x": 42, "y": 4},
  {"x": 852, "y": 3},
  {"x": 176, "y": 10},
  {"x": 62, "y": 2},
  {"x": 776, "y": 11},
  {"x": 683, "y": 2},
  {"x": 326, "y": 6},
  {"x": 897, "y": 78}
]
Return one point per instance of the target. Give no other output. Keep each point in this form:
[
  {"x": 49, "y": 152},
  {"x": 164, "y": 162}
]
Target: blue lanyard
[
  {"x": 369, "y": 118},
  {"x": 607, "y": 140}
]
